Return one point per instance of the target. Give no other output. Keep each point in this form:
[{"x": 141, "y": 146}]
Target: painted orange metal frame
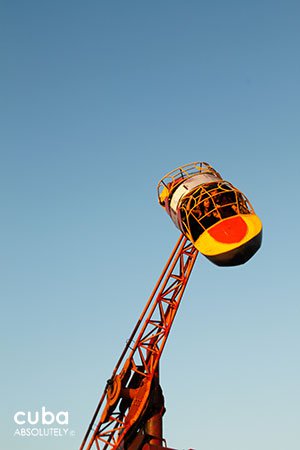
[{"x": 126, "y": 403}]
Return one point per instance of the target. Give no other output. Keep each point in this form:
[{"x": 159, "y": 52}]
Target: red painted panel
[{"x": 229, "y": 231}]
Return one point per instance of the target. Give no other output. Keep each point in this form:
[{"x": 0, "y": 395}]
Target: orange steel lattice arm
[{"x": 126, "y": 401}]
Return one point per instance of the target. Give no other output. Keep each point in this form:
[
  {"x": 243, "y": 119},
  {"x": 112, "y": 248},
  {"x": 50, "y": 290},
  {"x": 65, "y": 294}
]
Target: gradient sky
[{"x": 99, "y": 99}]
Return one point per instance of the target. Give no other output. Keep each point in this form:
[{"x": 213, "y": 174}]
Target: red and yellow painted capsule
[{"x": 217, "y": 218}]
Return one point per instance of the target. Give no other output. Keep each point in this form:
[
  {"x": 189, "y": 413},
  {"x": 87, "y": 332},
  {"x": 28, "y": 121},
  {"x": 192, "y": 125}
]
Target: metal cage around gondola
[{"x": 216, "y": 216}]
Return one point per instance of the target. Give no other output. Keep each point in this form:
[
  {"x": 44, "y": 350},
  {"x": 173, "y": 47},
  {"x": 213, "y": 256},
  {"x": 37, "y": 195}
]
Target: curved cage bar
[
  {"x": 208, "y": 204},
  {"x": 182, "y": 173}
]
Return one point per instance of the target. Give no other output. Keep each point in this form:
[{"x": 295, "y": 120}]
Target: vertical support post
[{"x": 154, "y": 425}]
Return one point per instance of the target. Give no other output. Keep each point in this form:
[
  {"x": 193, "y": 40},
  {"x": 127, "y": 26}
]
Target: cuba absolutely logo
[{"x": 42, "y": 424}]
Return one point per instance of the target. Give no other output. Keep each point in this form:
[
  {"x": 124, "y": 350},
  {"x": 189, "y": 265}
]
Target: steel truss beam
[{"x": 127, "y": 403}]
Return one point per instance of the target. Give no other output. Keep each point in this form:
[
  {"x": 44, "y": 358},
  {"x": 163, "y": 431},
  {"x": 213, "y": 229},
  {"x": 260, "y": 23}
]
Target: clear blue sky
[{"x": 99, "y": 99}]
